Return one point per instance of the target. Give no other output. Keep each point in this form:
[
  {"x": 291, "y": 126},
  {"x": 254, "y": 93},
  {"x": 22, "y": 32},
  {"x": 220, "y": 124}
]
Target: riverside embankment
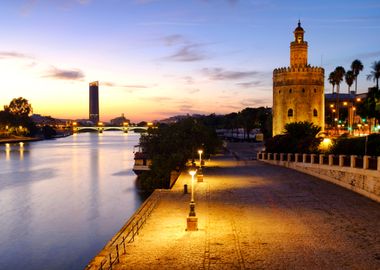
[{"x": 257, "y": 216}]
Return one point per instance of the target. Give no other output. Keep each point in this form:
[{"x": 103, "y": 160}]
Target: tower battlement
[{"x": 309, "y": 69}]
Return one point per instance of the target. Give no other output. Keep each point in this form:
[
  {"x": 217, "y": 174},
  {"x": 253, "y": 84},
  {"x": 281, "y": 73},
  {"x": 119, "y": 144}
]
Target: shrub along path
[{"x": 256, "y": 216}]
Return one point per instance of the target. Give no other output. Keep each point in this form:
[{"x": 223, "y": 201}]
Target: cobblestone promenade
[{"x": 256, "y": 216}]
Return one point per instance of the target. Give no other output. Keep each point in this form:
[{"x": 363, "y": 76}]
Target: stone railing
[{"x": 358, "y": 173}]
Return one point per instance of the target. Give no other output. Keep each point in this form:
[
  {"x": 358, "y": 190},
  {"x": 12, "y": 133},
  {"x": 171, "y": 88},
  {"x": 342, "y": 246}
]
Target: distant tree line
[{"x": 246, "y": 120}]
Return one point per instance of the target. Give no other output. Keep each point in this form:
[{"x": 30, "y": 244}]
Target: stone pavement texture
[{"x": 257, "y": 216}]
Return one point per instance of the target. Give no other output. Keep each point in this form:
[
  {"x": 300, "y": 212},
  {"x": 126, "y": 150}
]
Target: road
[{"x": 257, "y": 216}]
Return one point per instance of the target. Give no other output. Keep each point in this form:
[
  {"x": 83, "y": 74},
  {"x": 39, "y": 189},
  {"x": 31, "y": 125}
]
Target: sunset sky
[{"x": 159, "y": 58}]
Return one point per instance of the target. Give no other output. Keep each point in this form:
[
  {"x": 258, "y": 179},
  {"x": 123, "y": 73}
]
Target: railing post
[
  {"x": 321, "y": 159},
  {"x": 281, "y": 156},
  {"x": 110, "y": 256},
  {"x": 353, "y": 161},
  {"x": 312, "y": 158},
  {"x": 289, "y": 157},
  {"x": 304, "y": 158},
  {"x": 117, "y": 253},
  {"x": 331, "y": 159},
  {"x": 365, "y": 162},
  {"x": 124, "y": 244},
  {"x": 341, "y": 160},
  {"x": 275, "y": 156}
]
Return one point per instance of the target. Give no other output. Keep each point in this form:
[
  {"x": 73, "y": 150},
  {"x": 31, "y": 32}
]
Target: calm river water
[{"x": 62, "y": 200}]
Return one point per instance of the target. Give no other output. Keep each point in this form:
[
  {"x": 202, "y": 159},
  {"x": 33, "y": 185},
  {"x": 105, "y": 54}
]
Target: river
[{"x": 62, "y": 200}]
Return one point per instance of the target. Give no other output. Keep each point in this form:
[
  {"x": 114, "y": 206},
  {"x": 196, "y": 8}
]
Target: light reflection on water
[{"x": 62, "y": 200}]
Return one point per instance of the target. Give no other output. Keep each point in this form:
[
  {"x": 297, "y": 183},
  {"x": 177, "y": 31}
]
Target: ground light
[
  {"x": 325, "y": 144},
  {"x": 192, "y": 220}
]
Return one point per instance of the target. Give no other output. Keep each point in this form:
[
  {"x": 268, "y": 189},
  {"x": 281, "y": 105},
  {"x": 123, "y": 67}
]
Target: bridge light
[
  {"x": 345, "y": 103},
  {"x": 125, "y": 124},
  {"x": 75, "y": 123},
  {"x": 149, "y": 124},
  {"x": 100, "y": 124}
]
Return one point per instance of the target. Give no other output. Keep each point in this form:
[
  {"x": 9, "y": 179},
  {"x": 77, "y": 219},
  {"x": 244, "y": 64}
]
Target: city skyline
[{"x": 155, "y": 59}]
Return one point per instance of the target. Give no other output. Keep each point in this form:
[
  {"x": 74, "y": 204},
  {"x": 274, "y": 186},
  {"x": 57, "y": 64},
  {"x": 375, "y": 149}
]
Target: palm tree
[
  {"x": 339, "y": 74},
  {"x": 375, "y": 73},
  {"x": 349, "y": 77},
  {"x": 356, "y": 67},
  {"x": 332, "y": 80}
]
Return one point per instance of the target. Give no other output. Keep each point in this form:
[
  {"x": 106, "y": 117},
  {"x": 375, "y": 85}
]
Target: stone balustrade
[{"x": 360, "y": 174}]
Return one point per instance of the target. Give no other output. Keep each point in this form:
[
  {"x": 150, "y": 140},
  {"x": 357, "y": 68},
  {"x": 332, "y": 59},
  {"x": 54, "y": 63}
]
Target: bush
[
  {"x": 299, "y": 137},
  {"x": 356, "y": 146}
]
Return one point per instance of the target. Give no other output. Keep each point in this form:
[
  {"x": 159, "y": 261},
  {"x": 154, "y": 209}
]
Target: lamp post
[
  {"x": 200, "y": 152},
  {"x": 192, "y": 220},
  {"x": 200, "y": 173}
]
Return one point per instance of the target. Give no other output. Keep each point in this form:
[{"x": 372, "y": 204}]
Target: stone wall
[{"x": 361, "y": 175}]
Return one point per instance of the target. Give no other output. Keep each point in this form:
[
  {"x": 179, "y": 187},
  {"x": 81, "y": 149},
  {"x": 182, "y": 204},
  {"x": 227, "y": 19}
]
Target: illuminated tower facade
[
  {"x": 94, "y": 102},
  {"x": 298, "y": 90}
]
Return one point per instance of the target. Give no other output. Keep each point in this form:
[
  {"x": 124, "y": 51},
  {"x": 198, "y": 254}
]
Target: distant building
[
  {"x": 94, "y": 102},
  {"x": 298, "y": 90},
  {"x": 119, "y": 121}
]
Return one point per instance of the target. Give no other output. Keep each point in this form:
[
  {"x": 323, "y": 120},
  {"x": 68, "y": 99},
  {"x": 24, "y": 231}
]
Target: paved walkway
[{"x": 257, "y": 216}]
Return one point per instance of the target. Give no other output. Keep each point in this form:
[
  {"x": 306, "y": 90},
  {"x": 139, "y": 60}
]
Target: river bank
[{"x": 18, "y": 139}]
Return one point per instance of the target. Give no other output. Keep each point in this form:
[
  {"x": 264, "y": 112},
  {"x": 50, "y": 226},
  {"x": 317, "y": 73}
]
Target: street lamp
[
  {"x": 200, "y": 152},
  {"x": 200, "y": 173},
  {"x": 192, "y": 220}
]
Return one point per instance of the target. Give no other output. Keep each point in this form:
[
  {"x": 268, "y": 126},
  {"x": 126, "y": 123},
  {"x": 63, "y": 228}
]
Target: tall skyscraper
[{"x": 94, "y": 102}]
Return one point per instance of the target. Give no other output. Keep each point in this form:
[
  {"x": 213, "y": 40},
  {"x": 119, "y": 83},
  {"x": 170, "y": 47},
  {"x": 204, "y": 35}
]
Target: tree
[
  {"x": 356, "y": 67},
  {"x": 19, "y": 107},
  {"x": 332, "y": 80},
  {"x": 374, "y": 74},
  {"x": 298, "y": 137},
  {"x": 170, "y": 146},
  {"x": 349, "y": 78},
  {"x": 339, "y": 73}
]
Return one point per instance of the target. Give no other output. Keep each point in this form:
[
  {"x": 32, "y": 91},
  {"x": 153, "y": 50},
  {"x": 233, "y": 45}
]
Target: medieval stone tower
[{"x": 298, "y": 90}]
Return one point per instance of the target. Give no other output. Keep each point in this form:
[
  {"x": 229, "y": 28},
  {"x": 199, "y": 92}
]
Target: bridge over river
[
  {"x": 255, "y": 216},
  {"x": 100, "y": 129}
]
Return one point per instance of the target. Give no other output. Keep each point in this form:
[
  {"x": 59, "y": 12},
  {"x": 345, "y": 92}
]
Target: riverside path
[{"x": 257, "y": 216}]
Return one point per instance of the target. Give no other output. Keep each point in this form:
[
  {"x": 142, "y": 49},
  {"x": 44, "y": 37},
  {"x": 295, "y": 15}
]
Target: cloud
[
  {"x": 221, "y": 74},
  {"x": 369, "y": 54},
  {"x": 188, "y": 80},
  {"x": 254, "y": 102},
  {"x": 61, "y": 74},
  {"x": 130, "y": 88},
  {"x": 174, "y": 39},
  {"x": 7, "y": 55},
  {"x": 29, "y": 5},
  {"x": 193, "y": 91},
  {"x": 188, "y": 53},
  {"x": 249, "y": 84},
  {"x": 158, "y": 99}
]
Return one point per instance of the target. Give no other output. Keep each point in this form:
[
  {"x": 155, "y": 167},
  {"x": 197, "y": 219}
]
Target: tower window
[
  {"x": 290, "y": 112},
  {"x": 315, "y": 113},
  {"x": 315, "y": 90},
  {"x": 290, "y": 90},
  {"x": 303, "y": 90},
  {"x": 279, "y": 91}
]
